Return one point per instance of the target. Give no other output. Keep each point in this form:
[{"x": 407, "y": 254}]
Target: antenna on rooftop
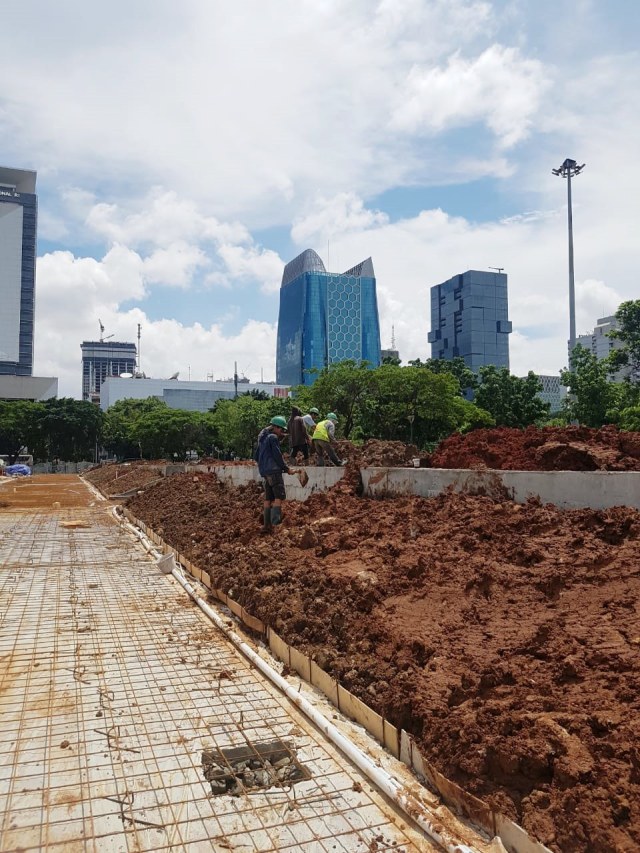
[{"x": 497, "y": 269}]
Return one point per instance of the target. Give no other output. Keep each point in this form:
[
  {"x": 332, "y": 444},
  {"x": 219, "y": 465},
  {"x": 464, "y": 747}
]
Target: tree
[
  {"x": 70, "y": 429},
  {"x": 119, "y": 422},
  {"x": 238, "y": 422},
  {"x": 170, "y": 433},
  {"x": 416, "y": 405},
  {"x": 20, "y": 422},
  {"x": 630, "y": 419},
  {"x": 256, "y": 393},
  {"x": 592, "y": 397},
  {"x": 342, "y": 388},
  {"x": 512, "y": 401},
  {"x": 456, "y": 367},
  {"x": 628, "y": 316}
]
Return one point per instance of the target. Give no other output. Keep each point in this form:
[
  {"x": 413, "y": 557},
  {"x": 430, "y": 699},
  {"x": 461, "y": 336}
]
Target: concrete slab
[{"x": 566, "y": 489}]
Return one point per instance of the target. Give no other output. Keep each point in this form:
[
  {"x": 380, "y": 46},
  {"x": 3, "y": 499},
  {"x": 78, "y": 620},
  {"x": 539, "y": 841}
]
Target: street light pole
[{"x": 568, "y": 170}]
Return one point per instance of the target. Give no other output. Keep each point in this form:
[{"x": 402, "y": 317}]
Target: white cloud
[
  {"x": 251, "y": 107},
  {"x": 96, "y": 289},
  {"x": 499, "y": 88},
  {"x": 343, "y": 213}
]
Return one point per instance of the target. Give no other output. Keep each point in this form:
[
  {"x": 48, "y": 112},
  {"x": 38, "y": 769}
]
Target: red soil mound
[
  {"x": 504, "y": 637},
  {"x": 547, "y": 449}
]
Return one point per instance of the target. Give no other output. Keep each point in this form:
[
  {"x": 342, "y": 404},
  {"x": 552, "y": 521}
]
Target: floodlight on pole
[{"x": 568, "y": 170}]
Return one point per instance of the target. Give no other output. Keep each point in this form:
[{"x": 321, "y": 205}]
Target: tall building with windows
[
  {"x": 18, "y": 229},
  {"x": 325, "y": 318},
  {"x": 101, "y": 359},
  {"x": 601, "y": 345},
  {"x": 469, "y": 319}
]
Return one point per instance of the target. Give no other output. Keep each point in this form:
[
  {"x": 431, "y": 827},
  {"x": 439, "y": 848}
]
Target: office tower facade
[
  {"x": 18, "y": 230},
  {"x": 553, "y": 392},
  {"x": 325, "y": 318},
  {"x": 101, "y": 359},
  {"x": 601, "y": 345},
  {"x": 469, "y": 319}
]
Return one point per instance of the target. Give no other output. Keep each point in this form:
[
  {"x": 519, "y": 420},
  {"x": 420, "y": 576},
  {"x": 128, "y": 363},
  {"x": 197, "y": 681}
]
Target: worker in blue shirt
[{"x": 272, "y": 466}]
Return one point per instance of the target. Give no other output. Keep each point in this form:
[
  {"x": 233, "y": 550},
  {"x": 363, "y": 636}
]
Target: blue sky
[{"x": 184, "y": 154}]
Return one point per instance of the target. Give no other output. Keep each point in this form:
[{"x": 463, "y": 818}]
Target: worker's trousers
[{"x": 322, "y": 449}]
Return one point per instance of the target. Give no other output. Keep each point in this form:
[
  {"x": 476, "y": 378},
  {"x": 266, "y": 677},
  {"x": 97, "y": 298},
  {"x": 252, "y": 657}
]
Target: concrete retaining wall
[
  {"x": 320, "y": 479},
  {"x": 595, "y": 489}
]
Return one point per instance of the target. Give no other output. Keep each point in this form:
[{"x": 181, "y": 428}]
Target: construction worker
[
  {"x": 299, "y": 440},
  {"x": 323, "y": 437},
  {"x": 311, "y": 419},
  {"x": 272, "y": 466}
]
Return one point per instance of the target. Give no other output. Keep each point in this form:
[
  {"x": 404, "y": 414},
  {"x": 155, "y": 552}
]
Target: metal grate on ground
[{"x": 112, "y": 684}]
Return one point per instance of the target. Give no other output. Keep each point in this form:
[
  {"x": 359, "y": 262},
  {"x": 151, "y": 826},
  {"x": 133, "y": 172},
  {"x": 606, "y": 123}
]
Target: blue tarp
[{"x": 18, "y": 470}]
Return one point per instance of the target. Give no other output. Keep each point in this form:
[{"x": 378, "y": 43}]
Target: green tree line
[{"x": 421, "y": 403}]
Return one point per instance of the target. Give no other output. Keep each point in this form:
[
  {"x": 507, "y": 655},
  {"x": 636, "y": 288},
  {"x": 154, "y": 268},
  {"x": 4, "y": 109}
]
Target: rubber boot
[
  {"x": 266, "y": 515},
  {"x": 276, "y": 515}
]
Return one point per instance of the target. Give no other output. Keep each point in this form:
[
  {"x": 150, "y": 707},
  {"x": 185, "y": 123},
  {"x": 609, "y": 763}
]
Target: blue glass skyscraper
[
  {"x": 18, "y": 226},
  {"x": 325, "y": 318},
  {"x": 469, "y": 319}
]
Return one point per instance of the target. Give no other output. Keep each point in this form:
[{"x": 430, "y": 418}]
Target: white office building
[{"x": 191, "y": 396}]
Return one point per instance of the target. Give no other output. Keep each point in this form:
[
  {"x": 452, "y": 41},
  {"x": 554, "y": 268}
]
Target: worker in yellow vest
[{"x": 323, "y": 437}]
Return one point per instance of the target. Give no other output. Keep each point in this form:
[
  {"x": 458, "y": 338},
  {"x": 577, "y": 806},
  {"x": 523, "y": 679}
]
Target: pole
[
  {"x": 572, "y": 289},
  {"x": 568, "y": 170}
]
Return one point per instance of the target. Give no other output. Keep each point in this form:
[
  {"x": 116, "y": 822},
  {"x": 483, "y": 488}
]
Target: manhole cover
[{"x": 266, "y": 764}]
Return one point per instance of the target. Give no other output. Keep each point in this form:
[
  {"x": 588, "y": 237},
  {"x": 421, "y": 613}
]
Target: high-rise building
[
  {"x": 101, "y": 359},
  {"x": 600, "y": 344},
  {"x": 553, "y": 392},
  {"x": 18, "y": 229},
  {"x": 469, "y": 319},
  {"x": 325, "y": 318}
]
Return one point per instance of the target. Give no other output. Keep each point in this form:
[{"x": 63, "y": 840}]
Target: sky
[{"x": 185, "y": 152}]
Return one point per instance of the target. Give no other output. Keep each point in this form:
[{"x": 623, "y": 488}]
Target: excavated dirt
[
  {"x": 546, "y": 449},
  {"x": 118, "y": 479},
  {"x": 506, "y": 638},
  {"x": 377, "y": 453}
]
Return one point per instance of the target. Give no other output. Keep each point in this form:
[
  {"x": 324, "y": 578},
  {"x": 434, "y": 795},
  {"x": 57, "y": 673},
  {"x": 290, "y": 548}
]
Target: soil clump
[
  {"x": 504, "y": 637},
  {"x": 541, "y": 449}
]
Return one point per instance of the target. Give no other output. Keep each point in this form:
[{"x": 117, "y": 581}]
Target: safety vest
[{"x": 321, "y": 432}]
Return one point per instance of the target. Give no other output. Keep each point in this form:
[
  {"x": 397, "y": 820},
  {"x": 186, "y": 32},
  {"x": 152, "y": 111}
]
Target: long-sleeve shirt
[
  {"x": 325, "y": 431},
  {"x": 268, "y": 454},
  {"x": 297, "y": 431}
]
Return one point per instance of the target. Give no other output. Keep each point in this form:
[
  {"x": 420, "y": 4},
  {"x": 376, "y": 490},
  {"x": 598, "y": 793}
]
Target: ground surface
[
  {"x": 113, "y": 686},
  {"x": 505, "y": 637}
]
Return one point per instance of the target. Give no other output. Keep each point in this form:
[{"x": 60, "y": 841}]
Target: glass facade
[
  {"x": 101, "y": 359},
  {"x": 469, "y": 319},
  {"x": 325, "y": 318},
  {"x": 18, "y": 229}
]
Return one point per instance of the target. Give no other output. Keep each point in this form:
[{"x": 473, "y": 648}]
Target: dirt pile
[
  {"x": 546, "y": 449},
  {"x": 504, "y": 637},
  {"x": 118, "y": 479},
  {"x": 377, "y": 453}
]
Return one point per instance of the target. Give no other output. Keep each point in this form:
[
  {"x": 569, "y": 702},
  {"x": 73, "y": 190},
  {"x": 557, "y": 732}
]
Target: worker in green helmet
[
  {"x": 323, "y": 437},
  {"x": 272, "y": 466},
  {"x": 311, "y": 419}
]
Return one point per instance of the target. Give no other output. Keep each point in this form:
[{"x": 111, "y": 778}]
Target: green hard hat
[
  {"x": 278, "y": 421},
  {"x": 332, "y": 416},
  {"x": 314, "y": 411}
]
